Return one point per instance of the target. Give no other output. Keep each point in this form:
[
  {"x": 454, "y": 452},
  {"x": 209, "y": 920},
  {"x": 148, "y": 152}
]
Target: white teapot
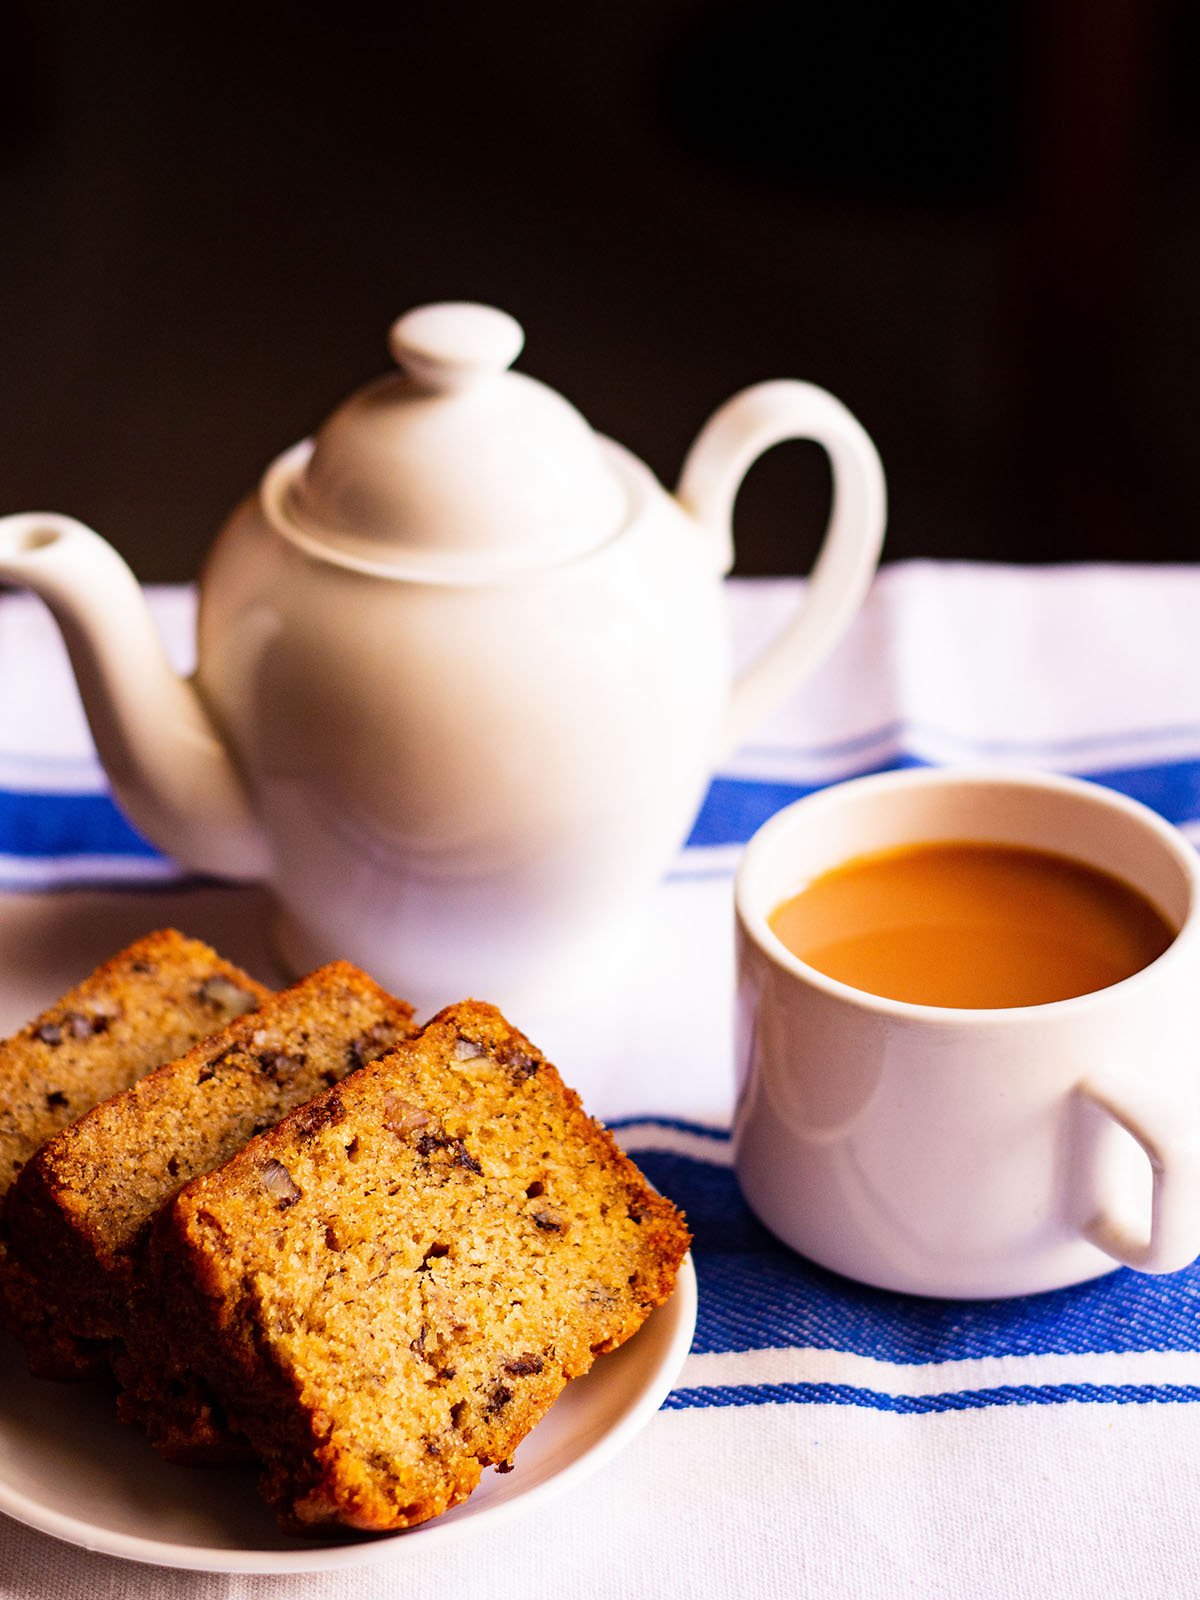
[{"x": 463, "y": 669}]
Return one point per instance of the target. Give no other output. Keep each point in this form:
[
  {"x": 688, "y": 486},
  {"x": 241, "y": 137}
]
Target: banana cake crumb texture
[{"x": 388, "y": 1289}]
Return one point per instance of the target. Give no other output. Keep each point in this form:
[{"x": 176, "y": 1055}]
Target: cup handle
[
  {"x": 1171, "y": 1146},
  {"x": 726, "y": 447}
]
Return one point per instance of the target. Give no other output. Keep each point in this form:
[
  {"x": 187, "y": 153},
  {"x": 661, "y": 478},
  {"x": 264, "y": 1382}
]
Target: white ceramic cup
[{"x": 959, "y": 1152}]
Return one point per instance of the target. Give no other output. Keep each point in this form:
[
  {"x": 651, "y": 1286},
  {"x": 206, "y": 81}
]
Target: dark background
[{"x": 977, "y": 223}]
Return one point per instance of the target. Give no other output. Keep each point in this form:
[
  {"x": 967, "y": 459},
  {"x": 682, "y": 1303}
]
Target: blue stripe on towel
[
  {"x": 44, "y": 826},
  {"x": 734, "y": 808},
  {"x": 1172, "y": 789},
  {"x": 844, "y": 1394},
  {"x": 756, "y": 1294}
]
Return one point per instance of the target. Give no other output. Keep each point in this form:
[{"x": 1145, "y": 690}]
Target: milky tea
[{"x": 974, "y": 925}]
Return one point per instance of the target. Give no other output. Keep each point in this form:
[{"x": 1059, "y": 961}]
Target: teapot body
[
  {"x": 463, "y": 786},
  {"x": 463, "y": 669}
]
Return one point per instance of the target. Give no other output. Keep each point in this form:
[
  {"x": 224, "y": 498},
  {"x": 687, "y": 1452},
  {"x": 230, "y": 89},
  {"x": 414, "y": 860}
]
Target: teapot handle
[{"x": 730, "y": 441}]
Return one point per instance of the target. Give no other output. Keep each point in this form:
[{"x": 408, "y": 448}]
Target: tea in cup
[
  {"x": 968, "y": 1027},
  {"x": 975, "y": 925}
]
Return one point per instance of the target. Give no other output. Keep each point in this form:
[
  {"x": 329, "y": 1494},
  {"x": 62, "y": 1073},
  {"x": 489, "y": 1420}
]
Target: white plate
[{"x": 69, "y": 1468}]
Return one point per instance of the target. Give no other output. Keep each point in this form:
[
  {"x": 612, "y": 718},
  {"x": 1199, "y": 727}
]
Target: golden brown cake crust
[
  {"x": 390, "y": 1288},
  {"x": 148, "y": 1003}
]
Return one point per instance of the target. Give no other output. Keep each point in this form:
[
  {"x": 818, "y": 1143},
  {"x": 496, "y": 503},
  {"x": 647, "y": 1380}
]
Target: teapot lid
[{"x": 454, "y": 466}]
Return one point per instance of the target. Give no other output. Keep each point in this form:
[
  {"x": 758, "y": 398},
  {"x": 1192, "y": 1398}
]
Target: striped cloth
[{"x": 823, "y": 1438}]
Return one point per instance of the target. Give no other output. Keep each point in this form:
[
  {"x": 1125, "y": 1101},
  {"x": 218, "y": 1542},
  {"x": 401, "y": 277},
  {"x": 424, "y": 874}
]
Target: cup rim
[{"x": 755, "y": 926}]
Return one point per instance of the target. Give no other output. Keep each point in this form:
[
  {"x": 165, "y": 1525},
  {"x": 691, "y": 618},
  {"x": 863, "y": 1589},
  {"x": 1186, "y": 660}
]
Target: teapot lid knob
[
  {"x": 447, "y": 346},
  {"x": 454, "y": 469}
]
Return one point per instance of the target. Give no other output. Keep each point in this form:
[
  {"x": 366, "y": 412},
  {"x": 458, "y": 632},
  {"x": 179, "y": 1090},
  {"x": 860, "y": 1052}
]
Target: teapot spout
[{"x": 164, "y": 758}]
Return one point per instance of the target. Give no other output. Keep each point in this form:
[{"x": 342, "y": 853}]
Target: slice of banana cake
[
  {"x": 389, "y": 1289},
  {"x": 147, "y": 1004},
  {"x": 78, "y": 1212}
]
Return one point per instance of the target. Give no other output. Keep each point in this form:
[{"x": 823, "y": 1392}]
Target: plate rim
[{"x": 681, "y": 1306}]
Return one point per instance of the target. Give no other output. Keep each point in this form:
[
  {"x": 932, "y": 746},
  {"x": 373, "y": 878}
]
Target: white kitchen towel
[{"x": 823, "y": 1439}]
